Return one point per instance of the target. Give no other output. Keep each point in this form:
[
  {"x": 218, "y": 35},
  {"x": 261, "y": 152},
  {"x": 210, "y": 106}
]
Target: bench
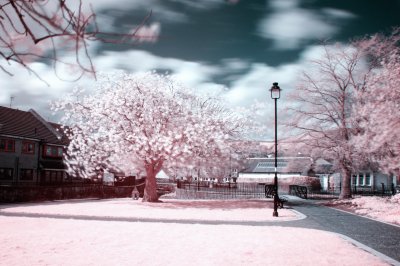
[
  {"x": 299, "y": 191},
  {"x": 281, "y": 201},
  {"x": 269, "y": 193}
]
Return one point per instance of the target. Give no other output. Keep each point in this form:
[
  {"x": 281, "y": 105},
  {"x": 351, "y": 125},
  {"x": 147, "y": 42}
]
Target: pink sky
[{"x": 47, "y": 241}]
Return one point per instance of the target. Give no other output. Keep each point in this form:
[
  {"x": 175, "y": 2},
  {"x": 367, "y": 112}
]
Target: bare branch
[{"x": 37, "y": 29}]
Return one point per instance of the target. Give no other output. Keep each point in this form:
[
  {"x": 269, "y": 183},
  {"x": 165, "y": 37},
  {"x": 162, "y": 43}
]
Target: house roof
[
  {"x": 284, "y": 164},
  {"x": 27, "y": 124}
]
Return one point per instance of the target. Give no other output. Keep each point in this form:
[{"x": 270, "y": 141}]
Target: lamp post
[{"x": 275, "y": 94}]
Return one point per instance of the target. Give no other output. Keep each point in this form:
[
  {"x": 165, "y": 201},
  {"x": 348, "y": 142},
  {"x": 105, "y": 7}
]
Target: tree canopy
[
  {"x": 346, "y": 106},
  {"x": 377, "y": 108},
  {"x": 144, "y": 122}
]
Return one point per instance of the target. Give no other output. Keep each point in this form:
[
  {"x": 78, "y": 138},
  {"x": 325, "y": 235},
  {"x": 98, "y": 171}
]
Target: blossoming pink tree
[
  {"x": 42, "y": 29},
  {"x": 146, "y": 122},
  {"x": 378, "y": 106}
]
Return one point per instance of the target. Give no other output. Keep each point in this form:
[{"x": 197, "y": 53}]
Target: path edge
[{"x": 374, "y": 252}]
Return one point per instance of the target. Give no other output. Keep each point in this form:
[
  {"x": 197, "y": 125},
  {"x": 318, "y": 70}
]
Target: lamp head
[{"x": 275, "y": 91}]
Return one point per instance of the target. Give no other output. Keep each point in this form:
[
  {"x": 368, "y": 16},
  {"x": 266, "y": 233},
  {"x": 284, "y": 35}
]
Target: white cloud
[
  {"x": 160, "y": 11},
  {"x": 338, "y": 13},
  {"x": 289, "y": 25},
  {"x": 202, "y": 4},
  {"x": 285, "y": 4},
  {"x": 31, "y": 92},
  {"x": 290, "y": 29},
  {"x": 235, "y": 64},
  {"x": 252, "y": 82},
  {"x": 169, "y": 15},
  {"x": 187, "y": 72},
  {"x": 148, "y": 33},
  {"x": 121, "y": 4},
  {"x": 255, "y": 84}
]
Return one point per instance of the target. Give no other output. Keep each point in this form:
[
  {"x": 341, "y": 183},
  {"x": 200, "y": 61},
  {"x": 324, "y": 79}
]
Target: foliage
[
  {"x": 145, "y": 122},
  {"x": 323, "y": 113},
  {"x": 348, "y": 106},
  {"x": 378, "y": 106},
  {"x": 310, "y": 182}
]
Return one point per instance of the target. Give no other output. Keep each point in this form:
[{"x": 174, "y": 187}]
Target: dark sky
[{"x": 211, "y": 35}]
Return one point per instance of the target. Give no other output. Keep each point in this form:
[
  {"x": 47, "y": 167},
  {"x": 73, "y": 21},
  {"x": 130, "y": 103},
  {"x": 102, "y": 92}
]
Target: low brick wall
[{"x": 27, "y": 194}]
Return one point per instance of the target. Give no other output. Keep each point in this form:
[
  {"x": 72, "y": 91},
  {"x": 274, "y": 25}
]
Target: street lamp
[{"x": 275, "y": 94}]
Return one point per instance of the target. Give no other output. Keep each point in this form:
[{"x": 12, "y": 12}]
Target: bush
[{"x": 312, "y": 183}]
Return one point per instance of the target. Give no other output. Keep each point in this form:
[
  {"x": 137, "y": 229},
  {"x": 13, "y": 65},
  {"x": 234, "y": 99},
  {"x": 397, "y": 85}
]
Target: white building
[{"x": 262, "y": 170}]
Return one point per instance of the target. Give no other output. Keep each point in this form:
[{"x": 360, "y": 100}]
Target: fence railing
[
  {"x": 299, "y": 191},
  {"x": 364, "y": 191},
  {"x": 204, "y": 190},
  {"x": 184, "y": 190}
]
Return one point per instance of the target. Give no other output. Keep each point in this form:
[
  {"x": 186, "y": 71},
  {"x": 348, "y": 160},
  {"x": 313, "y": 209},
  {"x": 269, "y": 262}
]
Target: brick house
[{"x": 31, "y": 149}]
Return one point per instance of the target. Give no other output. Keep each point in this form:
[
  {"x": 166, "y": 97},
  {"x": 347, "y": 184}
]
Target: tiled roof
[
  {"x": 266, "y": 165},
  {"x": 27, "y": 124}
]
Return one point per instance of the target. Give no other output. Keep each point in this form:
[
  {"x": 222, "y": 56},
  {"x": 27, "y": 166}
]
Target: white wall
[{"x": 260, "y": 177}]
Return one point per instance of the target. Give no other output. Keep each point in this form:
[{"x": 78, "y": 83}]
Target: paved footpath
[{"x": 382, "y": 237}]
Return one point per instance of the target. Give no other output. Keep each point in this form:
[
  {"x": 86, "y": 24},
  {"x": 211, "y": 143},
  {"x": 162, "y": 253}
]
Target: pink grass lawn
[
  {"x": 232, "y": 210},
  {"x": 386, "y": 209},
  {"x": 48, "y": 241}
]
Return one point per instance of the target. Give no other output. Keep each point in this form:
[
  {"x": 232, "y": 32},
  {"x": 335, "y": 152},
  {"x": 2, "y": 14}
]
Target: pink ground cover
[
  {"x": 48, "y": 241},
  {"x": 232, "y": 210},
  {"x": 386, "y": 209}
]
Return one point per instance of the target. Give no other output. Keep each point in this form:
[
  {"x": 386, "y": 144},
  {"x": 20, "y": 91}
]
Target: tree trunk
[
  {"x": 150, "y": 189},
  {"x": 345, "y": 192}
]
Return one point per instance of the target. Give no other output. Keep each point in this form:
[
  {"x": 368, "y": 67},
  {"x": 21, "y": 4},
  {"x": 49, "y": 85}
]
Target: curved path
[{"x": 382, "y": 237}]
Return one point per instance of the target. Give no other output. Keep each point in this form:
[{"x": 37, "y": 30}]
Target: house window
[
  {"x": 53, "y": 176},
  {"x": 6, "y": 173},
  {"x": 28, "y": 147},
  {"x": 26, "y": 174},
  {"x": 367, "y": 179},
  {"x": 7, "y": 145},
  {"x": 362, "y": 179},
  {"x": 53, "y": 151}
]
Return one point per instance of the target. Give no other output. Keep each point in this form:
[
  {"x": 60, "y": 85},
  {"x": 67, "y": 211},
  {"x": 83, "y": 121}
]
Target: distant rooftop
[
  {"x": 267, "y": 164},
  {"x": 28, "y": 124}
]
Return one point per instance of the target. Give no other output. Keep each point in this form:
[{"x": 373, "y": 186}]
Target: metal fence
[
  {"x": 334, "y": 193},
  {"x": 203, "y": 190}
]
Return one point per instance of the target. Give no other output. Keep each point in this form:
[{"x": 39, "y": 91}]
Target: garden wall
[{"x": 10, "y": 194}]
